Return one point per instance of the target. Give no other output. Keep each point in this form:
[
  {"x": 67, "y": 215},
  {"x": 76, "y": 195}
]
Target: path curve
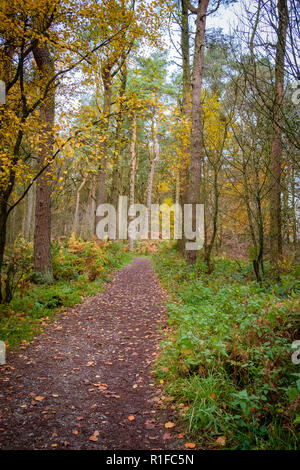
[{"x": 77, "y": 383}]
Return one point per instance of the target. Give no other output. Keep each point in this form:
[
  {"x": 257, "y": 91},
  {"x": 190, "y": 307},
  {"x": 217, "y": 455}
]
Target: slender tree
[
  {"x": 196, "y": 148},
  {"x": 276, "y": 148}
]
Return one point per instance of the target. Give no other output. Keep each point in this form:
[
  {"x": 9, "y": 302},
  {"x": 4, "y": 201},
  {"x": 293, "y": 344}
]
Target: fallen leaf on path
[
  {"x": 39, "y": 398},
  {"x": 94, "y": 436},
  {"x": 169, "y": 425},
  {"x": 189, "y": 445},
  {"x": 101, "y": 387}
]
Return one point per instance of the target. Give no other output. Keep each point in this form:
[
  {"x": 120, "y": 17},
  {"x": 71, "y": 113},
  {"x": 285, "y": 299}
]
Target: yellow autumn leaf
[
  {"x": 39, "y": 398},
  {"x": 189, "y": 445},
  {"x": 169, "y": 425}
]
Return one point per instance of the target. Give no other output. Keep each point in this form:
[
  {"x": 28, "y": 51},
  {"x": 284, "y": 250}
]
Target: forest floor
[{"x": 86, "y": 382}]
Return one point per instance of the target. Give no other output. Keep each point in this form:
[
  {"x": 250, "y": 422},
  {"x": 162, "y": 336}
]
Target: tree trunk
[
  {"x": 3, "y": 228},
  {"x": 185, "y": 50},
  {"x": 209, "y": 245},
  {"x": 186, "y": 103},
  {"x": 76, "y": 215},
  {"x": 42, "y": 230},
  {"x": 196, "y": 149},
  {"x": 276, "y": 148},
  {"x": 294, "y": 207},
  {"x": 101, "y": 189},
  {"x": 92, "y": 206},
  {"x": 6, "y": 70},
  {"x": 118, "y": 144},
  {"x": 257, "y": 251},
  {"x": 177, "y": 187},
  {"x": 28, "y": 222},
  {"x": 132, "y": 174},
  {"x": 154, "y": 159}
]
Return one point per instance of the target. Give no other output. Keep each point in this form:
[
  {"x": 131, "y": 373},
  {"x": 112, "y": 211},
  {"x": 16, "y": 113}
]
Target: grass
[
  {"x": 226, "y": 359},
  {"x": 81, "y": 269}
]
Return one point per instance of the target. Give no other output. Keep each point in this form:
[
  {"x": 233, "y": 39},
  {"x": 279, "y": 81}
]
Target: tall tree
[
  {"x": 196, "y": 148},
  {"x": 154, "y": 159},
  {"x": 42, "y": 231},
  {"x": 276, "y": 148},
  {"x": 185, "y": 51},
  {"x": 186, "y": 103},
  {"x": 132, "y": 173}
]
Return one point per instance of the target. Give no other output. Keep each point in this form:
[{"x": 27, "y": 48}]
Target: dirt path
[{"x": 76, "y": 385}]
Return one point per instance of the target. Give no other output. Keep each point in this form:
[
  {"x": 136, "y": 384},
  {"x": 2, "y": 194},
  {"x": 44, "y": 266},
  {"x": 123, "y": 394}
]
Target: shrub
[
  {"x": 16, "y": 267},
  {"x": 227, "y": 356}
]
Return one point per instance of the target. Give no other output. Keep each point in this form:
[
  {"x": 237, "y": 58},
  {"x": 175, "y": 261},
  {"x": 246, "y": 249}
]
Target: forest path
[{"x": 77, "y": 383}]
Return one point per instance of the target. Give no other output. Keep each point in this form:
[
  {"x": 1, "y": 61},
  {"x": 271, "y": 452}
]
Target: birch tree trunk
[
  {"x": 177, "y": 187},
  {"x": 76, "y": 215},
  {"x": 92, "y": 207},
  {"x": 154, "y": 159},
  {"x": 30, "y": 206},
  {"x": 132, "y": 175}
]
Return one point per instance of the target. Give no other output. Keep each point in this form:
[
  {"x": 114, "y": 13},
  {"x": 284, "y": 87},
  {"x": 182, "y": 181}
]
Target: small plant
[{"x": 17, "y": 265}]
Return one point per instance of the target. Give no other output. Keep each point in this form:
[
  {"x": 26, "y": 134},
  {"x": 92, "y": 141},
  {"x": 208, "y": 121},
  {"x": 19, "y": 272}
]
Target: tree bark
[
  {"x": 294, "y": 206},
  {"x": 42, "y": 230},
  {"x": 118, "y": 144},
  {"x": 186, "y": 103},
  {"x": 76, "y": 215},
  {"x": 154, "y": 159},
  {"x": 29, "y": 212},
  {"x": 6, "y": 70},
  {"x": 101, "y": 180},
  {"x": 196, "y": 149},
  {"x": 92, "y": 207},
  {"x": 132, "y": 174},
  {"x": 185, "y": 50},
  {"x": 208, "y": 247},
  {"x": 276, "y": 148}
]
